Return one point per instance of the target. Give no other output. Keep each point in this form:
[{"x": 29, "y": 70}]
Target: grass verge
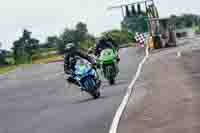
[
  {"x": 10, "y": 68},
  {"x": 45, "y": 60},
  {"x": 6, "y": 69},
  {"x": 48, "y": 59}
]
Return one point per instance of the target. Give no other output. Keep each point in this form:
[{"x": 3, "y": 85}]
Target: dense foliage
[
  {"x": 185, "y": 21},
  {"x": 120, "y": 36},
  {"x": 135, "y": 23},
  {"x": 79, "y": 36},
  {"x": 27, "y": 48},
  {"x": 24, "y": 48},
  {"x": 138, "y": 23}
]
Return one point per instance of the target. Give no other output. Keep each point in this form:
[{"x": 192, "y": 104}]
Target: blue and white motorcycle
[{"x": 88, "y": 78}]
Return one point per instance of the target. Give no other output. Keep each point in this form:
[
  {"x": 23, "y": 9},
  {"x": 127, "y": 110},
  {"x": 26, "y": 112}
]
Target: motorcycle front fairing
[
  {"x": 83, "y": 71},
  {"x": 87, "y": 76},
  {"x": 108, "y": 56}
]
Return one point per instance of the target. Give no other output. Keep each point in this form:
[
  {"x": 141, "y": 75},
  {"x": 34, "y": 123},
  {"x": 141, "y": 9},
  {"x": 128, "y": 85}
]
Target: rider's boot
[
  {"x": 98, "y": 82},
  {"x": 118, "y": 59}
]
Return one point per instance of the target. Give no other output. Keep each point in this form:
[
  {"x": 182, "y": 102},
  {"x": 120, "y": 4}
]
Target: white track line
[{"x": 120, "y": 110}]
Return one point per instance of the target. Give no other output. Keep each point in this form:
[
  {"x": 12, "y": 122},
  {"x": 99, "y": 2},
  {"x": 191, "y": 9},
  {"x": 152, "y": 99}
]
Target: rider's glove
[{"x": 94, "y": 66}]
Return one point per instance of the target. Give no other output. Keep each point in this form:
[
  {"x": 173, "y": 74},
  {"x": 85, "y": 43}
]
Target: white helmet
[
  {"x": 69, "y": 46},
  {"x": 90, "y": 50}
]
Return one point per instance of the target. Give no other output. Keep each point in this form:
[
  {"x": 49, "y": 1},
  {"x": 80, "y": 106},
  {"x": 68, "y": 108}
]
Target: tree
[
  {"x": 82, "y": 31},
  {"x": 83, "y": 37},
  {"x": 4, "y": 54},
  {"x": 89, "y": 42},
  {"x": 69, "y": 35},
  {"x": 185, "y": 21},
  {"x": 32, "y": 47},
  {"x": 120, "y": 36},
  {"x": 79, "y": 35},
  {"x": 51, "y": 42},
  {"x": 24, "y": 48},
  {"x": 2, "y": 58},
  {"x": 135, "y": 24}
]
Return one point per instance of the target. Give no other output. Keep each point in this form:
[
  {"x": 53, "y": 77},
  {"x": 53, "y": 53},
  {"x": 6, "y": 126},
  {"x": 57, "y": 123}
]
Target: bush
[
  {"x": 42, "y": 55},
  {"x": 120, "y": 37},
  {"x": 86, "y": 45},
  {"x": 10, "y": 61},
  {"x": 197, "y": 30}
]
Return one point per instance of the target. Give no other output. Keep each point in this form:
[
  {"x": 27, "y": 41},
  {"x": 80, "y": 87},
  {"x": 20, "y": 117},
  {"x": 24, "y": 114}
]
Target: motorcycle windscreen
[
  {"x": 84, "y": 71},
  {"x": 107, "y": 56}
]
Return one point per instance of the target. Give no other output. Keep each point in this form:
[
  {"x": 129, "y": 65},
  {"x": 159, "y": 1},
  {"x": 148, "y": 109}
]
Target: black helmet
[
  {"x": 102, "y": 40},
  {"x": 109, "y": 39}
]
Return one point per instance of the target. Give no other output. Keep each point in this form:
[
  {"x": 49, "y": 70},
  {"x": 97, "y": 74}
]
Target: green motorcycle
[{"x": 108, "y": 64}]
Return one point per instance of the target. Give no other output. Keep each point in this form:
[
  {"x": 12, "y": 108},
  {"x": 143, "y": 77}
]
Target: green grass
[
  {"x": 48, "y": 59},
  {"x": 6, "y": 69},
  {"x": 196, "y": 29},
  {"x": 10, "y": 68},
  {"x": 127, "y": 45},
  {"x": 45, "y": 60}
]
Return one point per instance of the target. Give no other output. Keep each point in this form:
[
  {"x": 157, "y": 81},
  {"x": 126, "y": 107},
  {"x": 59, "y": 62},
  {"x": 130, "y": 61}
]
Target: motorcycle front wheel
[
  {"x": 91, "y": 88},
  {"x": 96, "y": 94}
]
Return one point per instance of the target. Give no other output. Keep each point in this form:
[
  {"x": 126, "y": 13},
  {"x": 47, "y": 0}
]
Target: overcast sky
[{"x": 49, "y": 17}]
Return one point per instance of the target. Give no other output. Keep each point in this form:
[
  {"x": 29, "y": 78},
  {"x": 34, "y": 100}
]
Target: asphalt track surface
[{"x": 37, "y": 99}]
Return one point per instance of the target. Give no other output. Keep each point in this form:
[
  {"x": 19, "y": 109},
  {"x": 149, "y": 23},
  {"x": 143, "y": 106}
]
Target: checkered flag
[{"x": 140, "y": 38}]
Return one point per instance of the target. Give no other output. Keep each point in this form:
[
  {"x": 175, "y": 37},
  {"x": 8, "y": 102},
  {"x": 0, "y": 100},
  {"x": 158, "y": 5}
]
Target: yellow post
[{"x": 150, "y": 42}]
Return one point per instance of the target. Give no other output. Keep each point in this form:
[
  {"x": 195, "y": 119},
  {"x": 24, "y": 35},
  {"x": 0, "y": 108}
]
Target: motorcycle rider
[
  {"x": 101, "y": 45},
  {"x": 105, "y": 43},
  {"x": 70, "y": 60},
  {"x": 112, "y": 42}
]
